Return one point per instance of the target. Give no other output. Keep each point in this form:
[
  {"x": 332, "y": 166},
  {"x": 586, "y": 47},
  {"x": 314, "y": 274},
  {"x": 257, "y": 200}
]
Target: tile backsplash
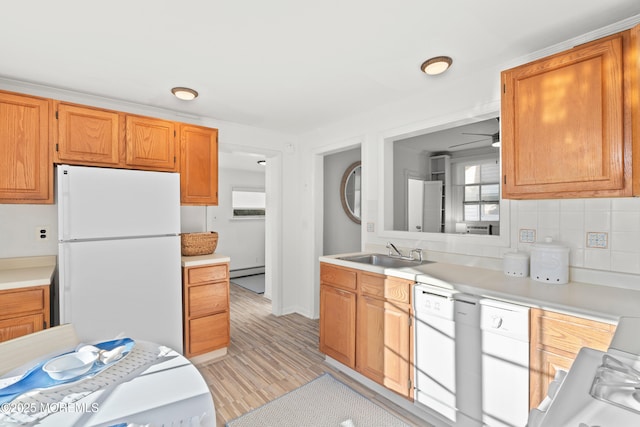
[{"x": 616, "y": 247}]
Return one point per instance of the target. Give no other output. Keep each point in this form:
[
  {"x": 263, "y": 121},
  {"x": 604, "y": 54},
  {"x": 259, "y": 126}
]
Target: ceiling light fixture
[
  {"x": 262, "y": 162},
  {"x": 184, "y": 93},
  {"x": 436, "y": 65}
]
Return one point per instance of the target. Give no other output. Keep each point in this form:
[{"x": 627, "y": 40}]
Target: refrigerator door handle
[
  {"x": 64, "y": 283},
  {"x": 64, "y": 222}
]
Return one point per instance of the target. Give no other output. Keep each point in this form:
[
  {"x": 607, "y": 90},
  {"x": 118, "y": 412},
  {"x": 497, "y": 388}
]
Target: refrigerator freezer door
[
  {"x": 101, "y": 203},
  {"x": 127, "y": 286}
]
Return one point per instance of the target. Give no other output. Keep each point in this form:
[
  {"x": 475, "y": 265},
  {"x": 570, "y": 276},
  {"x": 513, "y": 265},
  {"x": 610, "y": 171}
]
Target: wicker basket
[{"x": 198, "y": 243}]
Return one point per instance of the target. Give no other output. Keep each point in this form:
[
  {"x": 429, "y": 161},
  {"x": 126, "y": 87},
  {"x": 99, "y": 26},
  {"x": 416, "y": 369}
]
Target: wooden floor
[{"x": 270, "y": 356}]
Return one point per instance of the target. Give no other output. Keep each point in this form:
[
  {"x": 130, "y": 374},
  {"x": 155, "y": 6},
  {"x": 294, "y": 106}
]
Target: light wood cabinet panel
[
  {"x": 206, "y": 274},
  {"x": 370, "y": 338},
  {"x": 208, "y": 299},
  {"x": 26, "y": 172},
  {"x": 366, "y": 324},
  {"x": 19, "y": 326},
  {"x": 340, "y": 277},
  {"x": 338, "y": 324},
  {"x": 151, "y": 143},
  {"x": 556, "y": 340},
  {"x": 566, "y": 124},
  {"x": 633, "y": 56},
  {"x": 198, "y": 165},
  {"x": 24, "y": 311},
  {"x": 205, "y": 294},
  {"x": 398, "y": 358},
  {"x": 208, "y": 333},
  {"x": 88, "y": 136}
]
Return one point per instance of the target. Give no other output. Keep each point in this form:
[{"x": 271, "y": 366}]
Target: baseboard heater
[{"x": 249, "y": 271}]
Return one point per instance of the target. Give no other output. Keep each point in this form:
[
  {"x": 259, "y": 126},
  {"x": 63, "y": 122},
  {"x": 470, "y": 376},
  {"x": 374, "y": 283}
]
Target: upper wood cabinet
[
  {"x": 88, "y": 136},
  {"x": 26, "y": 172},
  {"x": 151, "y": 143},
  {"x": 566, "y": 123},
  {"x": 97, "y": 137},
  {"x": 198, "y": 165}
]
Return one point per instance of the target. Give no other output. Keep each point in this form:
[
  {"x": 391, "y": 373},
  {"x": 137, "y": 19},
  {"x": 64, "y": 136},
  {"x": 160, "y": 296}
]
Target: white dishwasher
[
  {"x": 435, "y": 350},
  {"x": 505, "y": 363}
]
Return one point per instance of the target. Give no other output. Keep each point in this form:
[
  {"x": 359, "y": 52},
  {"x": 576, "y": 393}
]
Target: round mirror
[{"x": 350, "y": 190}]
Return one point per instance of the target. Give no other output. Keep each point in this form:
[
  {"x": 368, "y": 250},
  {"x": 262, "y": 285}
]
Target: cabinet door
[
  {"x": 88, "y": 136},
  {"x": 370, "y": 333},
  {"x": 208, "y": 333},
  {"x": 556, "y": 340},
  {"x": 19, "y": 326},
  {"x": 198, "y": 165},
  {"x": 397, "y": 349},
  {"x": 151, "y": 143},
  {"x": 566, "y": 124},
  {"x": 26, "y": 172},
  {"x": 338, "y": 324}
]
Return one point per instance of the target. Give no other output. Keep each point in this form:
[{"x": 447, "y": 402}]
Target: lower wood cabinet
[
  {"x": 24, "y": 311},
  {"x": 556, "y": 340},
  {"x": 365, "y": 323},
  {"x": 206, "y": 308}
]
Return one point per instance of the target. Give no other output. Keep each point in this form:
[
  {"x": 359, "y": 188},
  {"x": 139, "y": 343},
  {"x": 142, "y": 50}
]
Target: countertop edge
[
  {"x": 596, "y": 302},
  {"x": 25, "y": 272},
  {"x": 198, "y": 260}
]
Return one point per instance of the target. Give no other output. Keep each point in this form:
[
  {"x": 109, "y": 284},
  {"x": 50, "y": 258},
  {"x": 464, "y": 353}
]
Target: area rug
[
  {"x": 324, "y": 401},
  {"x": 254, "y": 283}
]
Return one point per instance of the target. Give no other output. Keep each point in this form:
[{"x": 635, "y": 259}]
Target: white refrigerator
[{"x": 119, "y": 254}]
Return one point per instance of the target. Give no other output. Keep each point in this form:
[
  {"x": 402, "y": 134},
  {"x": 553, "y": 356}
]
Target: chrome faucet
[
  {"x": 391, "y": 246},
  {"x": 418, "y": 251}
]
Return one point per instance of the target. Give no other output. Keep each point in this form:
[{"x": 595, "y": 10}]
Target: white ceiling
[{"x": 286, "y": 65}]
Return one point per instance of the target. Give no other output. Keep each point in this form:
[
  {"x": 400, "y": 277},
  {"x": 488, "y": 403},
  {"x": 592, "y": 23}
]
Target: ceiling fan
[{"x": 495, "y": 139}]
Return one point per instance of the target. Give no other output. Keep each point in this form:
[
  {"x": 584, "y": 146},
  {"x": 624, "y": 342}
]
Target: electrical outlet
[
  {"x": 527, "y": 235},
  {"x": 42, "y": 233},
  {"x": 371, "y": 227},
  {"x": 597, "y": 240}
]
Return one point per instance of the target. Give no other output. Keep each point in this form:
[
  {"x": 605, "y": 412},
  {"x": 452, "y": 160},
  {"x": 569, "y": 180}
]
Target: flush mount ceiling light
[
  {"x": 436, "y": 65},
  {"x": 262, "y": 162},
  {"x": 184, "y": 93}
]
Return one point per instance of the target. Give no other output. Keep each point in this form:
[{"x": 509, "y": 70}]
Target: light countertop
[
  {"x": 196, "y": 260},
  {"x": 26, "y": 271},
  {"x": 604, "y": 303}
]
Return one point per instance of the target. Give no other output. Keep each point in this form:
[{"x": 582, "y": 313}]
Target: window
[
  {"x": 482, "y": 192},
  {"x": 248, "y": 202}
]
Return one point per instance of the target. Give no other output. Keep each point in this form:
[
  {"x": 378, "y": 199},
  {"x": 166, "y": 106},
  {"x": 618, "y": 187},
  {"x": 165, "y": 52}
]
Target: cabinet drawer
[
  {"x": 398, "y": 290},
  {"x": 338, "y": 276},
  {"x": 22, "y": 301},
  {"x": 209, "y": 273},
  {"x": 570, "y": 333},
  {"x": 208, "y": 333},
  {"x": 372, "y": 285},
  {"x": 18, "y": 326},
  {"x": 207, "y": 299}
]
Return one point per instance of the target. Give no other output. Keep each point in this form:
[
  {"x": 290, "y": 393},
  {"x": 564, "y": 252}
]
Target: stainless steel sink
[{"x": 384, "y": 260}]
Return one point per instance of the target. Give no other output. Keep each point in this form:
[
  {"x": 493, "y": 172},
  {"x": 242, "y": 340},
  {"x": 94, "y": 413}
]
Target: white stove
[{"x": 602, "y": 389}]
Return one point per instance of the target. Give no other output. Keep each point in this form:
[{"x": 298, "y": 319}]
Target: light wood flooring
[{"x": 270, "y": 356}]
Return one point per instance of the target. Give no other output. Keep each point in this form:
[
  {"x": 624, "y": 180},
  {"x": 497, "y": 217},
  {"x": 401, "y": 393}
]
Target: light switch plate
[
  {"x": 527, "y": 235},
  {"x": 597, "y": 239},
  {"x": 371, "y": 227}
]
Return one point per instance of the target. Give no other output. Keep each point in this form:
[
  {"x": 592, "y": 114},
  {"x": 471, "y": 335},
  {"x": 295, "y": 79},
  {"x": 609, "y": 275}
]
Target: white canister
[
  {"x": 550, "y": 262},
  {"x": 516, "y": 264}
]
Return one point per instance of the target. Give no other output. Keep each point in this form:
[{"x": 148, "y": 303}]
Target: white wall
[
  {"x": 340, "y": 233},
  {"x": 18, "y": 226}
]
